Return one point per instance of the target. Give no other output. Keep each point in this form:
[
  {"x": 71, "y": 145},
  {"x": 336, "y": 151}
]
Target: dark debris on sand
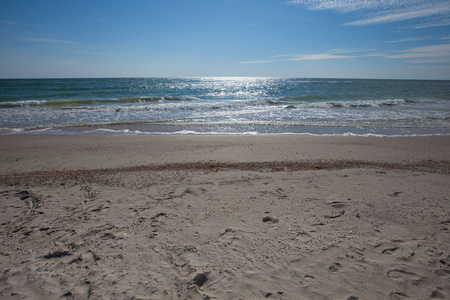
[{"x": 73, "y": 177}]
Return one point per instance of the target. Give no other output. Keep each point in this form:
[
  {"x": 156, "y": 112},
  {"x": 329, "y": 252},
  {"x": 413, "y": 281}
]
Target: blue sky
[{"x": 405, "y": 39}]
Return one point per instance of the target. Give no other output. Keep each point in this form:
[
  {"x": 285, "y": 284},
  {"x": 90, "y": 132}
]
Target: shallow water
[{"x": 225, "y": 106}]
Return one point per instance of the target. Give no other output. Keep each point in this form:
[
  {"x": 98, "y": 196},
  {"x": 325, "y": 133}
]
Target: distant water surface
[{"x": 225, "y": 106}]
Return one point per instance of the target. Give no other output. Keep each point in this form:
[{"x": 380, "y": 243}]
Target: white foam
[
  {"x": 352, "y": 104},
  {"x": 23, "y": 103}
]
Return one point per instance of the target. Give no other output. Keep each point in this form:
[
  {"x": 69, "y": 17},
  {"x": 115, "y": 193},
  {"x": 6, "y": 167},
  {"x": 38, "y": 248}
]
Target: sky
[{"x": 385, "y": 39}]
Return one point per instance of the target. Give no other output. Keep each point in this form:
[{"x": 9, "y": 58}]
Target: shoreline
[
  {"x": 38, "y": 153},
  {"x": 250, "y": 129}
]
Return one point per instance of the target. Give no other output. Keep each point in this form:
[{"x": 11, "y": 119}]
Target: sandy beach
[{"x": 224, "y": 217}]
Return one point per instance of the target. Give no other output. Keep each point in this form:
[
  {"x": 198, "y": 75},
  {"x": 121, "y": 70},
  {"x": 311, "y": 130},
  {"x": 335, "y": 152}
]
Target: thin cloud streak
[
  {"x": 332, "y": 54},
  {"x": 342, "y": 5},
  {"x": 425, "y": 54},
  {"x": 386, "y": 11},
  {"x": 69, "y": 62},
  {"x": 257, "y": 62},
  {"x": 411, "y": 39},
  {"x": 255, "y": 24},
  {"x": 436, "y": 22},
  {"x": 53, "y": 41},
  {"x": 402, "y": 15},
  {"x": 93, "y": 53},
  {"x": 322, "y": 56}
]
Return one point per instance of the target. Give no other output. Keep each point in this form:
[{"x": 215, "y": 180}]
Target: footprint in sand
[
  {"x": 335, "y": 267},
  {"x": 337, "y": 204},
  {"x": 444, "y": 270},
  {"x": 355, "y": 254},
  {"x": 389, "y": 251},
  {"x": 398, "y": 295},
  {"x": 307, "y": 279},
  {"x": 402, "y": 274},
  {"x": 438, "y": 293},
  {"x": 442, "y": 273}
]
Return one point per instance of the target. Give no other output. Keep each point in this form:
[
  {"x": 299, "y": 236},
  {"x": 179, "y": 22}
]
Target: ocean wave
[
  {"x": 53, "y": 102},
  {"x": 307, "y": 97},
  {"x": 352, "y": 104},
  {"x": 145, "y": 99},
  {"x": 88, "y": 102},
  {"x": 23, "y": 103}
]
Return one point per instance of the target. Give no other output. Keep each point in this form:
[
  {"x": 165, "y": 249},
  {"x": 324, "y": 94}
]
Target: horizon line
[{"x": 187, "y": 77}]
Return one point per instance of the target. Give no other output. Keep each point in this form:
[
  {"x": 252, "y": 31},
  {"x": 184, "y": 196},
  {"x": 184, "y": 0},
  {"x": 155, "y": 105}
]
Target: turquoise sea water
[{"x": 225, "y": 106}]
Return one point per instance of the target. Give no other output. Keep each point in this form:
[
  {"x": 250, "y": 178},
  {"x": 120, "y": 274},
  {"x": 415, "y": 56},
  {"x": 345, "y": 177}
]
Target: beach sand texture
[{"x": 224, "y": 217}]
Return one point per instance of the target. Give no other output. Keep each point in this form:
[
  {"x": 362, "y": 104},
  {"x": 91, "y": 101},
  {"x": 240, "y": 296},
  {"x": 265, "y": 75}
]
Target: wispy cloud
[
  {"x": 76, "y": 48},
  {"x": 331, "y": 54},
  {"x": 52, "y": 41},
  {"x": 257, "y": 61},
  {"x": 69, "y": 62},
  {"x": 9, "y": 22},
  {"x": 336, "y": 54},
  {"x": 342, "y": 5},
  {"x": 410, "y": 39},
  {"x": 437, "y": 21},
  {"x": 255, "y": 23},
  {"x": 425, "y": 54},
  {"x": 403, "y": 14},
  {"x": 93, "y": 53},
  {"x": 321, "y": 56},
  {"x": 431, "y": 13}
]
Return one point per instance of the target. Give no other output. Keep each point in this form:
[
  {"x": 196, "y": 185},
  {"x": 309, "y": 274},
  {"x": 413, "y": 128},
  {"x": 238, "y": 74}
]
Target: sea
[{"x": 225, "y": 106}]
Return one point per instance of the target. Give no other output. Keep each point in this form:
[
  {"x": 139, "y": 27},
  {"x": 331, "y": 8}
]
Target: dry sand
[{"x": 215, "y": 217}]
